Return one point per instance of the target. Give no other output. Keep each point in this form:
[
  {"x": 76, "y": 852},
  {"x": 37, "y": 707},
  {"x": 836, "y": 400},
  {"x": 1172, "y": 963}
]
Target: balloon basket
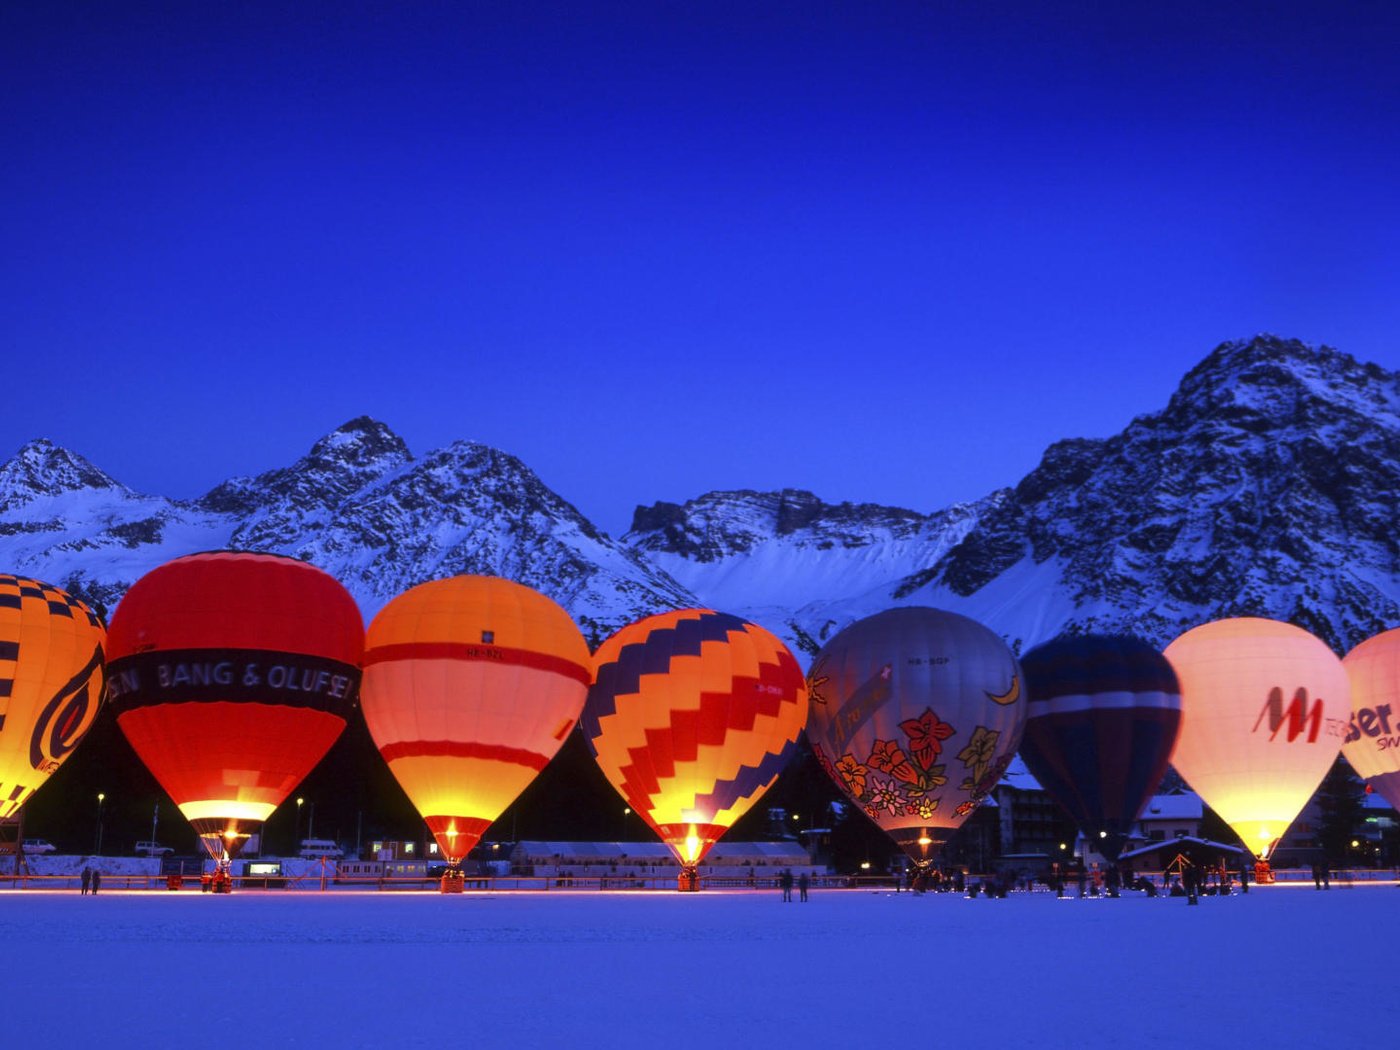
[
  {"x": 688, "y": 881},
  {"x": 174, "y": 882},
  {"x": 452, "y": 882},
  {"x": 1263, "y": 873}
]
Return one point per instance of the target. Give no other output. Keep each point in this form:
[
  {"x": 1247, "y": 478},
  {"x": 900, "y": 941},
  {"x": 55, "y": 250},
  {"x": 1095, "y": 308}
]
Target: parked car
[
  {"x": 316, "y": 849},
  {"x": 38, "y": 846},
  {"x": 152, "y": 849}
]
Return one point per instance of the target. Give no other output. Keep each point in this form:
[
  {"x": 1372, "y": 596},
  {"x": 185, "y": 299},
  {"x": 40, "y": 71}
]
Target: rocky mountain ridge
[{"x": 1268, "y": 485}]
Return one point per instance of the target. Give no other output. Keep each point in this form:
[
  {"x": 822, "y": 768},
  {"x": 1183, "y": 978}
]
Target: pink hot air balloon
[
  {"x": 1263, "y": 708},
  {"x": 1372, "y": 742}
]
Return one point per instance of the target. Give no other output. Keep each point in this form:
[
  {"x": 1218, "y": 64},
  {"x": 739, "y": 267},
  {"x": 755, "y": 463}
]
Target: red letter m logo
[{"x": 1297, "y": 714}]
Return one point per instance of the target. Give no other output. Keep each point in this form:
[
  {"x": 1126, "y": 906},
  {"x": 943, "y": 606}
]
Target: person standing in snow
[
  {"x": 803, "y": 882},
  {"x": 96, "y": 880},
  {"x": 785, "y": 881},
  {"x": 86, "y": 880}
]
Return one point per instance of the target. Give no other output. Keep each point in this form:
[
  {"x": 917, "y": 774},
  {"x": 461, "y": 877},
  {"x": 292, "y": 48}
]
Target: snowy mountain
[
  {"x": 358, "y": 505},
  {"x": 791, "y": 562},
  {"x": 1268, "y": 485}
]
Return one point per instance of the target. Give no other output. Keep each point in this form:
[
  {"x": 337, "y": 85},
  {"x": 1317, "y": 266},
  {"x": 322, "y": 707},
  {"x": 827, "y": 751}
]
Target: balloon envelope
[
  {"x": 51, "y": 674},
  {"x": 232, "y": 674},
  {"x": 471, "y": 685},
  {"x": 1103, "y": 715},
  {"x": 692, "y": 716},
  {"x": 915, "y": 714},
  {"x": 1264, "y": 705},
  {"x": 1372, "y": 742}
]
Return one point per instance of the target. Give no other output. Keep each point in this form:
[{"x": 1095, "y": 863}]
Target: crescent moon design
[{"x": 1010, "y": 696}]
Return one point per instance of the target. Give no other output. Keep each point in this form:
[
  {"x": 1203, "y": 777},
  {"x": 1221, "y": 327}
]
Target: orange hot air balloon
[
  {"x": 471, "y": 685},
  {"x": 51, "y": 673},
  {"x": 232, "y": 674},
  {"x": 1372, "y": 743},
  {"x": 1264, "y": 705},
  {"x": 692, "y": 717}
]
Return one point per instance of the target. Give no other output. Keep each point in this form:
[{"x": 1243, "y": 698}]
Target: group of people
[
  {"x": 91, "y": 880},
  {"x": 786, "y": 880}
]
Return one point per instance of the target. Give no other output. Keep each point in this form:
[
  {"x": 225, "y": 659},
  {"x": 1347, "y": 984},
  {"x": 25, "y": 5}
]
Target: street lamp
[
  {"x": 626, "y": 812},
  {"x": 296, "y": 839},
  {"x": 97, "y": 841}
]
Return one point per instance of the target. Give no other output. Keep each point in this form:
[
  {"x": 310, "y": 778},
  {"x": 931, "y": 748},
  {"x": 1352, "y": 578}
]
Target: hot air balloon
[
  {"x": 51, "y": 674},
  {"x": 231, "y": 675},
  {"x": 916, "y": 713},
  {"x": 1264, "y": 706},
  {"x": 1372, "y": 741},
  {"x": 692, "y": 716},
  {"x": 1103, "y": 715},
  {"x": 471, "y": 685}
]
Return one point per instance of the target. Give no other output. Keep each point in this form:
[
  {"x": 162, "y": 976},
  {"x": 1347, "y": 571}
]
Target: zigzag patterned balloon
[{"x": 692, "y": 716}]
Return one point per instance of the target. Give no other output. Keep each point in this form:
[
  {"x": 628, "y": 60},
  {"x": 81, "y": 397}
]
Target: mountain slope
[
  {"x": 1269, "y": 485},
  {"x": 358, "y": 505}
]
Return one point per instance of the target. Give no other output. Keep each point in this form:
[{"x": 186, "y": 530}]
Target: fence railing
[{"x": 329, "y": 881}]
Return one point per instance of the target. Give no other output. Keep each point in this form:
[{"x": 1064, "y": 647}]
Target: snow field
[{"x": 1284, "y": 965}]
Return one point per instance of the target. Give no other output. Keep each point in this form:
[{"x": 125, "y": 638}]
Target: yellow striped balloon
[
  {"x": 471, "y": 685},
  {"x": 692, "y": 716}
]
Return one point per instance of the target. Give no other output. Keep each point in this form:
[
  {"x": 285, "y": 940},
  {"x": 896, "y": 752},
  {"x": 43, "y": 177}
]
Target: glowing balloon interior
[
  {"x": 692, "y": 716},
  {"x": 1372, "y": 742},
  {"x": 51, "y": 675},
  {"x": 1264, "y": 707},
  {"x": 1103, "y": 716},
  {"x": 232, "y": 674},
  {"x": 471, "y": 685},
  {"x": 916, "y": 714}
]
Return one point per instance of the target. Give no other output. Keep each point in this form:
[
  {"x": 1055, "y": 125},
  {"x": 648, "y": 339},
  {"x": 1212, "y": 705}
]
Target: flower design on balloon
[
  {"x": 884, "y": 795},
  {"x": 852, "y": 774},
  {"x": 924, "y": 808},
  {"x": 977, "y": 756},
  {"x": 889, "y": 757},
  {"x": 926, "y": 735}
]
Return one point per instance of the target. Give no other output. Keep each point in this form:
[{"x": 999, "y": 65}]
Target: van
[
  {"x": 320, "y": 849},
  {"x": 152, "y": 849},
  {"x": 38, "y": 846}
]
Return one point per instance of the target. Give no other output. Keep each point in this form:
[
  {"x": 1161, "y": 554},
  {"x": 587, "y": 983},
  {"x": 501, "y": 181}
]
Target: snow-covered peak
[
  {"x": 1266, "y": 487},
  {"x": 344, "y": 461},
  {"x": 364, "y": 443},
  {"x": 1272, "y": 381},
  {"x": 41, "y": 468}
]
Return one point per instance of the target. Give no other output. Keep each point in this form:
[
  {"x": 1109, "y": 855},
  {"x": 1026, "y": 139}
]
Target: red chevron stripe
[
  {"x": 496, "y": 654},
  {"x": 463, "y": 749},
  {"x": 718, "y": 716},
  {"x": 469, "y": 831}
]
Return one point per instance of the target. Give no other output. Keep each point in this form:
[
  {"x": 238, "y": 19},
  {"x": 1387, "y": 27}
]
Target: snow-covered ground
[{"x": 1282, "y": 966}]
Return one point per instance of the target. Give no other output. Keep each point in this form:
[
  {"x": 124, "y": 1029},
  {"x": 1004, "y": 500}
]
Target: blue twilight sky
[{"x": 883, "y": 251}]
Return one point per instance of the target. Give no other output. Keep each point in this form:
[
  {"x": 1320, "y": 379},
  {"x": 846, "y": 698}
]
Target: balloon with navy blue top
[{"x": 1103, "y": 717}]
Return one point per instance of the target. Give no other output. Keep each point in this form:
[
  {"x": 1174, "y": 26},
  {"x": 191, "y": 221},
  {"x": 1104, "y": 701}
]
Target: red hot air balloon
[{"x": 232, "y": 674}]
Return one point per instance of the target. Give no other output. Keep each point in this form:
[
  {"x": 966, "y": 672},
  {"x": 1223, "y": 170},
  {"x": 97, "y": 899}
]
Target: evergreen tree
[{"x": 1340, "y": 803}]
